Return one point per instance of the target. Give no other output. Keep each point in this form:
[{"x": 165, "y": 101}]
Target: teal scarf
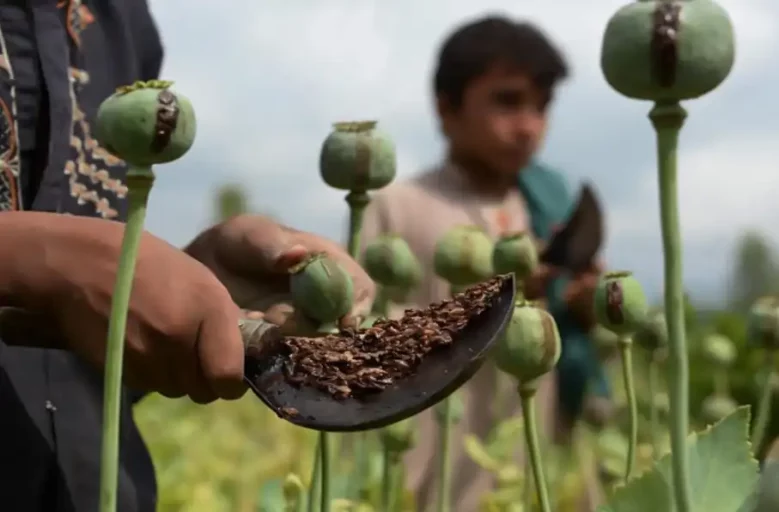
[{"x": 549, "y": 203}]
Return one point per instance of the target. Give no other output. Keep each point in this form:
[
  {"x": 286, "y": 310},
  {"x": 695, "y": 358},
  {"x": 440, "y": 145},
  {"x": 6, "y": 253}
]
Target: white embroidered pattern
[{"x": 89, "y": 160}]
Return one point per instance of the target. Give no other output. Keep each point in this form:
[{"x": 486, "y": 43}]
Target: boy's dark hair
[{"x": 471, "y": 50}]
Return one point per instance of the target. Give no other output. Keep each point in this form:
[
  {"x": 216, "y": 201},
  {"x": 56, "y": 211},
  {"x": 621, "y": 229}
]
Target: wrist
[
  {"x": 11, "y": 261},
  {"x": 23, "y": 255}
]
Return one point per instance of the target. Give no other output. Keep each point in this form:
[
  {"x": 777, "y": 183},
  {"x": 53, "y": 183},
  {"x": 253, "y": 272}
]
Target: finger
[
  {"x": 364, "y": 298},
  {"x": 177, "y": 371},
  {"x": 252, "y": 315},
  {"x": 253, "y": 245},
  {"x": 550, "y": 271},
  {"x": 279, "y": 313},
  {"x": 220, "y": 348},
  {"x": 144, "y": 372},
  {"x": 192, "y": 380},
  {"x": 290, "y": 257}
]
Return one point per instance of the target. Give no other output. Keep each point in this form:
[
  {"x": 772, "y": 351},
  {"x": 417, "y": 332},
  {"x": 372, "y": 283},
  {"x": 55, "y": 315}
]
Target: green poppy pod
[
  {"x": 668, "y": 50},
  {"x": 293, "y": 490},
  {"x": 530, "y": 346},
  {"x": 515, "y": 253},
  {"x": 357, "y": 156},
  {"x": 719, "y": 350},
  {"x": 652, "y": 333},
  {"x": 322, "y": 289},
  {"x": 716, "y": 407},
  {"x": 146, "y": 123},
  {"x": 463, "y": 256},
  {"x": 399, "y": 437},
  {"x": 389, "y": 261},
  {"x": 763, "y": 323},
  {"x": 620, "y": 303}
]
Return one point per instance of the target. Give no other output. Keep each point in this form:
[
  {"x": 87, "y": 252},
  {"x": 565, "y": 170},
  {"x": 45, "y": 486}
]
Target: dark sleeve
[{"x": 147, "y": 40}]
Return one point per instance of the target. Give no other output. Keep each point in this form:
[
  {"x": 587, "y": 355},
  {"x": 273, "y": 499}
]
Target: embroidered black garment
[{"x": 59, "y": 59}]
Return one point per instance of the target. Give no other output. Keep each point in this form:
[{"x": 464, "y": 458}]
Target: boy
[{"x": 494, "y": 83}]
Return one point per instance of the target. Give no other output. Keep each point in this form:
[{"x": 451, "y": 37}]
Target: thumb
[
  {"x": 547, "y": 272},
  {"x": 363, "y": 302}
]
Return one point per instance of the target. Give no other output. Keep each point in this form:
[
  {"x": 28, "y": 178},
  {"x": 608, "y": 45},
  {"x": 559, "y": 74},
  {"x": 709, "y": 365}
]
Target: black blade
[
  {"x": 576, "y": 245},
  {"x": 439, "y": 375}
]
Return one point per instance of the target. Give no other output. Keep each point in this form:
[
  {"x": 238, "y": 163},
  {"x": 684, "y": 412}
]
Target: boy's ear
[
  {"x": 443, "y": 106},
  {"x": 445, "y": 112}
]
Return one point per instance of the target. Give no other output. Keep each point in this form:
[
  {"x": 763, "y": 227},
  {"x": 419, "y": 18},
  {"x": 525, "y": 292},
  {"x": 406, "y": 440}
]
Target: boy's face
[{"x": 500, "y": 122}]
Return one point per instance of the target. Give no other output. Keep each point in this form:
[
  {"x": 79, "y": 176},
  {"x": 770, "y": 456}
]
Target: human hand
[
  {"x": 252, "y": 255},
  {"x": 182, "y": 335},
  {"x": 579, "y": 292},
  {"x": 579, "y": 295}
]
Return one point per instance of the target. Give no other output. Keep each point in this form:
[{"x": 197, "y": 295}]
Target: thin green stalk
[
  {"x": 389, "y": 481},
  {"x": 764, "y": 407},
  {"x": 527, "y": 486},
  {"x": 324, "y": 449},
  {"x": 721, "y": 385},
  {"x": 358, "y": 200},
  {"x": 315, "y": 487},
  {"x": 527, "y": 395},
  {"x": 139, "y": 181},
  {"x": 654, "y": 389},
  {"x": 444, "y": 468},
  {"x": 625, "y": 344},
  {"x": 382, "y": 303},
  {"x": 386, "y": 487},
  {"x": 668, "y": 119}
]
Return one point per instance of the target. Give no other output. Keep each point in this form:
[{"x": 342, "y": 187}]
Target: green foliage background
[{"x": 233, "y": 456}]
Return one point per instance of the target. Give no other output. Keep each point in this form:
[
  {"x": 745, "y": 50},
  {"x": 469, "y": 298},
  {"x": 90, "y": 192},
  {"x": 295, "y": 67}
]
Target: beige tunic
[{"x": 421, "y": 210}]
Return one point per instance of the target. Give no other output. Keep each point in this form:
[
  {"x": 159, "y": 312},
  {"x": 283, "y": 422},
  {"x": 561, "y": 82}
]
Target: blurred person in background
[
  {"x": 494, "y": 85},
  {"x": 60, "y": 192}
]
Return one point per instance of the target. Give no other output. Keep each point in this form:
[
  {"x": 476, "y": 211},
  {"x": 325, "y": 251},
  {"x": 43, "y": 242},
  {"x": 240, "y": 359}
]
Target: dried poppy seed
[{"x": 358, "y": 363}]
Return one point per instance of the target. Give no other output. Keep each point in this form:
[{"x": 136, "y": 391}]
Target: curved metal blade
[
  {"x": 576, "y": 245},
  {"x": 438, "y": 375}
]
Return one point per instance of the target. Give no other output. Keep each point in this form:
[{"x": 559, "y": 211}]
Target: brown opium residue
[{"x": 357, "y": 363}]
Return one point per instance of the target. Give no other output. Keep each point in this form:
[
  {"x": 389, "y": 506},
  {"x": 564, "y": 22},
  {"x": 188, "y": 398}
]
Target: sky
[{"x": 268, "y": 78}]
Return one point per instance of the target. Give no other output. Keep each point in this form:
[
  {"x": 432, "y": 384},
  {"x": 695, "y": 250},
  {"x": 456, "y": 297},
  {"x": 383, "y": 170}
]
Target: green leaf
[
  {"x": 723, "y": 473},
  {"x": 271, "y": 496}
]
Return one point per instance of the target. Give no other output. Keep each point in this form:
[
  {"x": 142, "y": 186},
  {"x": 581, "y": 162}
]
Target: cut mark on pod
[
  {"x": 614, "y": 302},
  {"x": 362, "y": 163},
  {"x": 665, "y": 42},
  {"x": 466, "y": 254},
  {"x": 387, "y": 256},
  {"x": 550, "y": 336},
  {"x": 167, "y": 120}
]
